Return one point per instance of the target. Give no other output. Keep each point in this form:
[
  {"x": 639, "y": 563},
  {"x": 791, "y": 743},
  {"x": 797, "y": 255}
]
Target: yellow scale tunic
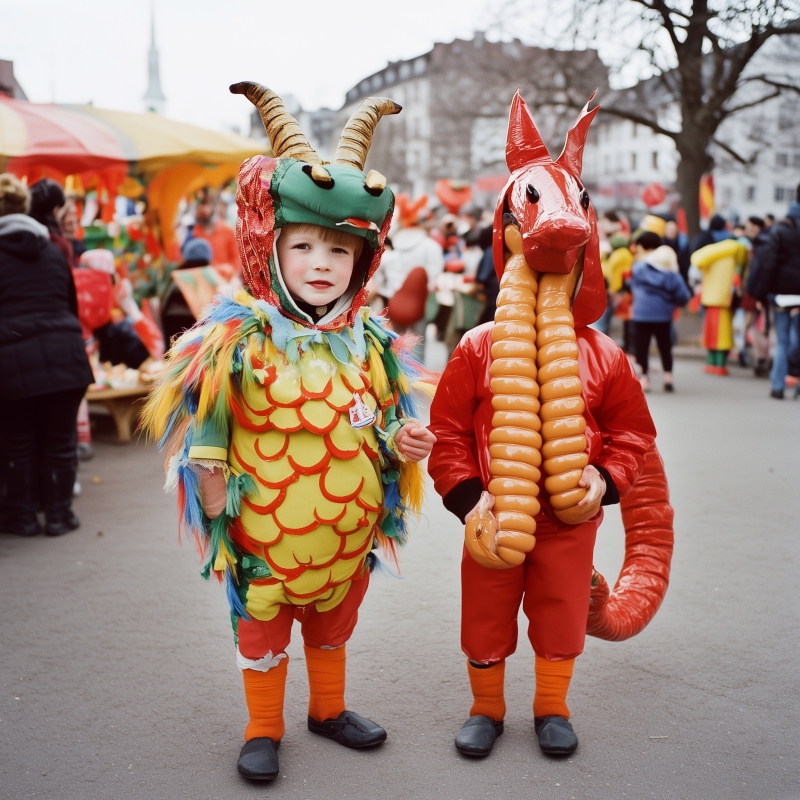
[{"x": 319, "y": 495}]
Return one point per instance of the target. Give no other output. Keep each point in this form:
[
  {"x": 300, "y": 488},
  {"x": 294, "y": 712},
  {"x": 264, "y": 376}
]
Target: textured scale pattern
[
  {"x": 318, "y": 495},
  {"x": 310, "y": 496}
]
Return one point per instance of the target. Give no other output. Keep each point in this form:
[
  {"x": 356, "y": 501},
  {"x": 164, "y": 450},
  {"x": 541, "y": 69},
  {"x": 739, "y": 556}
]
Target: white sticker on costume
[{"x": 360, "y": 415}]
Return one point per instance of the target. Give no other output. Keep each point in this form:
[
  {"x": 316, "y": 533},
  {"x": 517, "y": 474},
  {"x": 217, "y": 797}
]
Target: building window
[
  {"x": 390, "y": 76},
  {"x": 405, "y": 71},
  {"x": 782, "y": 159},
  {"x": 655, "y": 160},
  {"x": 750, "y": 193},
  {"x": 608, "y": 164},
  {"x": 633, "y": 162},
  {"x": 419, "y": 66},
  {"x": 635, "y": 129},
  {"x": 780, "y": 193},
  {"x": 796, "y": 160}
]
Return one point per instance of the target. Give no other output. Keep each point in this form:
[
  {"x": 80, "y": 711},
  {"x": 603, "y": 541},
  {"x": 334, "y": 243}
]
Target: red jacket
[{"x": 619, "y": 430}]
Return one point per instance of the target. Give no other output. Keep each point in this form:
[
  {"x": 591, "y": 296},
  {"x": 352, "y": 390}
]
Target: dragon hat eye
[
  {"x": 585, "y": 199},
  {"x": 532, "y": 193}
]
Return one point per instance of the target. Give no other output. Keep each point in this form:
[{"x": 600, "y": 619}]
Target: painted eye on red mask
[
  {"x": 585, "y": 199},
  {"x": 532, "y": 193}
]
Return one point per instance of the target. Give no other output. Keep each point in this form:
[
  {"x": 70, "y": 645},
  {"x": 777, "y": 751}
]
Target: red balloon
[{"x": 654, "y": 194}]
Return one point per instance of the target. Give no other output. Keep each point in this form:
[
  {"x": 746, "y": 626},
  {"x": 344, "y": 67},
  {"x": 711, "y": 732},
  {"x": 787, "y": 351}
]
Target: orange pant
[
  {"x": 553, "y": 584},
  {"x": 319, "y": 628}
]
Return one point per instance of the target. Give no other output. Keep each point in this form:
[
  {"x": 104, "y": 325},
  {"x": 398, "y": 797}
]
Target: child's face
[{"x": 314, "y": 271}]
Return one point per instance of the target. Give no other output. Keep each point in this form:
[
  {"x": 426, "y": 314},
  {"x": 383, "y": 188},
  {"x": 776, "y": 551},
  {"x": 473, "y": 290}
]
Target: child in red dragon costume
[{"x": 542, "y": 419}]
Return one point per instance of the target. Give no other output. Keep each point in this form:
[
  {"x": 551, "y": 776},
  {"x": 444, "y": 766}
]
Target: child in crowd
[{"x": 658, "y": 289}]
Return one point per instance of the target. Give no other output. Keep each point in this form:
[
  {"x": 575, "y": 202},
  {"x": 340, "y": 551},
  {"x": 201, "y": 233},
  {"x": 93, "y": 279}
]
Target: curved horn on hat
[
  {"x": 357, "y": 134},
  {"x": 285, "y": 136}
]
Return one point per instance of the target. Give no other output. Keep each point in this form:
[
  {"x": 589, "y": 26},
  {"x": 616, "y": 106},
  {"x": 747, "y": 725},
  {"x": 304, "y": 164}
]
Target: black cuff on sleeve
[
  {"x": 463, "y": 497},
  {"x": 611, "y": 497}
]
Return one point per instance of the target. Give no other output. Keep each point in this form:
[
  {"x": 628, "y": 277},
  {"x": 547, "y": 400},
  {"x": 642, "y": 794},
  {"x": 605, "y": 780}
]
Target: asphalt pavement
[{"x": 118, "y": 678}]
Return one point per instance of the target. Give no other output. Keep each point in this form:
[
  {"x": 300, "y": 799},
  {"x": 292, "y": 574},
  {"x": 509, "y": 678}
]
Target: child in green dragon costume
[{"x": 288, "y": 423}]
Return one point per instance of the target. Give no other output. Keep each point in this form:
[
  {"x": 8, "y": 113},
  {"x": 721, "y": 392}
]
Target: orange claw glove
[
  {"x": 213, "y": 495},
  {"x": 490, "y": 547}
]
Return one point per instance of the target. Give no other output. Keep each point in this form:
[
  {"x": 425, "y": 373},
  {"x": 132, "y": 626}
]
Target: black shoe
[
  {"x": 777, "y": 394},
  {"x": 556, "y": 737},
  {"x": 85, "y": 451},
  {"x": 26, "y": 528},
  {"x": 258, "y": 759},
  {"x": 477, "y": 736},
  {"x": 57, "y": 495},
  {"x": 64, "y": 523},
  {"x": 668, "y": 387},
  {"x": 19, "y": 501},
  {"x": 349, "y": 729}
]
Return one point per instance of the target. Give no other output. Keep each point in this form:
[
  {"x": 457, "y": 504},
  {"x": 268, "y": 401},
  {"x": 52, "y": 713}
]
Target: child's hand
[
  {"x": 213, "y": 495},
  {"x": 414, "y": 441},
  {"x": 595, "y": 484},
  {"x": 483, "y": 507}
]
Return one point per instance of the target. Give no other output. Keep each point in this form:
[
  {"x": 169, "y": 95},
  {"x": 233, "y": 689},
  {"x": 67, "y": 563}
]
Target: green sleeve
[{"x": 209, "y": 441}]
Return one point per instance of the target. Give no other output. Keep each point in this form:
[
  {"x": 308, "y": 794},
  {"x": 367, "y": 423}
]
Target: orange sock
[
  {"x": 325, "y": 682},
  {"x": 552, "y": 684},
  {"x": 487, "y": 691},
  {"x": 264, "y": 694}
]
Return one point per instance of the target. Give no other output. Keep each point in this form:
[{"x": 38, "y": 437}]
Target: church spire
[{"x": 154, "y": 99}]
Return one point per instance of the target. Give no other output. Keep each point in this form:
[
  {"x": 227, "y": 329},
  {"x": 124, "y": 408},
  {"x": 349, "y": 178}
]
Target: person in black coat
[
  {"x": 777, "y": 280},
  {"x": 44, "y": 371}
]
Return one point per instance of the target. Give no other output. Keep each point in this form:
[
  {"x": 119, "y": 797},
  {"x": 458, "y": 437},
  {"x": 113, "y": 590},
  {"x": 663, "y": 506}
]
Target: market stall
[{"x": 118, "y": 153}]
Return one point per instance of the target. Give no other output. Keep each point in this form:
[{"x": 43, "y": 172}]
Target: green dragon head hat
[{"x": 296, "y": 186}]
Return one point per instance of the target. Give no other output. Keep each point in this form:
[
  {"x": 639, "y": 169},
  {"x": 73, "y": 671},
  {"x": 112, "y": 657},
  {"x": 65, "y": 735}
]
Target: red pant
[
  {"x": 319, "y": 628},
  {"x": 555, "y": 580}
]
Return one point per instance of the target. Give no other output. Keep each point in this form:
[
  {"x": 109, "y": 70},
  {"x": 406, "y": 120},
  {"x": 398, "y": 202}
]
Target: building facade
[
  {"x": 8, "y": 83},
  {"x": 622, "y": 158},
  {"x": 455, "y": 101}
]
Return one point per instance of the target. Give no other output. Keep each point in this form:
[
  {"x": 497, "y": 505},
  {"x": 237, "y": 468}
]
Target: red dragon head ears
[{"x": 552, "y": 207}]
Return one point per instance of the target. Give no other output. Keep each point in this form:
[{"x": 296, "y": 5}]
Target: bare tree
[{"x": 699, "y": 57}]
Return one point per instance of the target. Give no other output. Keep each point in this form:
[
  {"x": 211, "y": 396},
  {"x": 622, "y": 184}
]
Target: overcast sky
[{"x": 96, "y": 50}]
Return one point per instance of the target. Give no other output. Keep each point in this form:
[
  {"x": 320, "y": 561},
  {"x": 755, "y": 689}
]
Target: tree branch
[
  {"x": 753, "y": 103},
  {"x": 632, "y": 116},
  {"x": 731, "y": 152}
]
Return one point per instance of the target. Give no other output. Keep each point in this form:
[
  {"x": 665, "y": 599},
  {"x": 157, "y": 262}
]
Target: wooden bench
[{"x": 122, "y": 404}]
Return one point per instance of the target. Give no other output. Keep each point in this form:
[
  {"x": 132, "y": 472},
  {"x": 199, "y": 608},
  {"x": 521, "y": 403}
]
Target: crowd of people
[
  {"x": 67, "y": 313},
  {"x": 744, "y": 277},
  {"x": 64, "y": 307}
]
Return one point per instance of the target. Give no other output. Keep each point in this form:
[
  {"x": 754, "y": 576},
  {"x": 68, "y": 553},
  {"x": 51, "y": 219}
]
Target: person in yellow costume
[
  {"x": 722, "y": 264},
  {"x": 287, "y": 416}
]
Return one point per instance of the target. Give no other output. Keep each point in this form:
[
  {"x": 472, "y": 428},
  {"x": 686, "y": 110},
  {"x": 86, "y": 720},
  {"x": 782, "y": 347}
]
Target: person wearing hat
[
  {"x": 287, "y": 416},
  {"x": 176, "y": 315},
  {"x": 658, "y": 289},
  {"x": 722, "y": 264}
]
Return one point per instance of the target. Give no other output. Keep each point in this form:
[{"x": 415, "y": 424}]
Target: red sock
[{"x": 264, "y": 694}]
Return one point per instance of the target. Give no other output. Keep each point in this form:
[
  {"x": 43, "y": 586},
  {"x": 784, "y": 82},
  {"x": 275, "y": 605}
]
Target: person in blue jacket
[{"x": 658, "y": 289}]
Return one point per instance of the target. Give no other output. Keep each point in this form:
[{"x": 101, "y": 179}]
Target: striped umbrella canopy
[
  {"x": 78, "y": 139},
  {"x": 101, "y": 148}
]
